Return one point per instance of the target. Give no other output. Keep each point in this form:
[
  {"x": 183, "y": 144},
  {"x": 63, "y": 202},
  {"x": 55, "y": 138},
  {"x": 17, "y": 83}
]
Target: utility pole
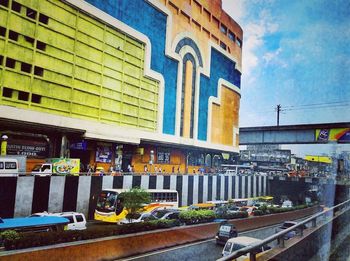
[{"x": 278, "y": 109}]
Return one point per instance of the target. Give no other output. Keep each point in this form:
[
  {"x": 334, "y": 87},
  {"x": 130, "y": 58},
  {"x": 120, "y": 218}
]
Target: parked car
[
  {"x": 225, "y": 232},
  {"x": 146, "y": 216},
  {"x": 167, "y": 213},
  {"x": 287, "y": 204},
  {"x": 77, "y": 220},
  {"x": 232, "y": 209},
  {"x": 290, "y": 234},
  {"x": 236, "y": 243},
  {"x": 249, "y": 210}
]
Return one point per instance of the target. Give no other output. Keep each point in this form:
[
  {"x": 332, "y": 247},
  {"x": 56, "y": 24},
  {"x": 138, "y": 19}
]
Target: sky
[{"x": 296, "y": 54}]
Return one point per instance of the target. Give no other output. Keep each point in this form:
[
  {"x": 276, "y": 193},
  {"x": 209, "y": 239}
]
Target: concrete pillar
[
  {"x": 56, "y": 194},
  {"x": 24, "y": 196}
]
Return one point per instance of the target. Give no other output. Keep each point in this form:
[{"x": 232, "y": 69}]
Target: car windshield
[
  {"x": 287, "y": 224},
  {"x": 36, "y": 167},
  {"x": 160, "y": 213},
  {"x": 106, "y": 201},
  {"x": 232, "y": 247},
  {"x": 225, "y": 228}
]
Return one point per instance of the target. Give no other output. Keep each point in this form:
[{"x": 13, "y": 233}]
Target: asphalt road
[{"x": 205, "y": 250}]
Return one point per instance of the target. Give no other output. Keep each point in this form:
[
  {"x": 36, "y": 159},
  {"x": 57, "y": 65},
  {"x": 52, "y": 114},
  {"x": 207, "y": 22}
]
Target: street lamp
[{"x": 4, "y": 144}]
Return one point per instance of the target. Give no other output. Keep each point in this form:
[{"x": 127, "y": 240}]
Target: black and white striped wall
[{"x": 22, "y": 196}]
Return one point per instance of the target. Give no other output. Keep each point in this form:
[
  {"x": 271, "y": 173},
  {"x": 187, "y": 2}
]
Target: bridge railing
[{"x": 279, "y": 237}]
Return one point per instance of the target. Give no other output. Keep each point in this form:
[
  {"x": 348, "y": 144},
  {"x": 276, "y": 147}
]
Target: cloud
[
  {"x": 235, "y": 9},
  {"x": 253, "y": 43}
]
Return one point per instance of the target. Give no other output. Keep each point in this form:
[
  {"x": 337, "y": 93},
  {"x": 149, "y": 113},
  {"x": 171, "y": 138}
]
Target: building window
[
  {"x": 23, "y": 96},
  {"x": 43, "y": 19},
  {"x": 29, "y": 39},
  {"x": 2, "y": 31},
  {"x": 26, "y": 67},
  {"x": 223, "y": 45},
  {"x": 195, "y": 159},
  {"x": 13, "y": 35},
  {"x": 40, "y": 45},
  {"x": 10, "y": 63},
  {"x": 238, "y": 42},
  {"x": 4, "y": 3},
  {"x": 16, "y": 6},
  {"x": 7, "y": 92},
  {"x": 31, "y": 13},
  {"x": 1, "y": 59},
  {"x": 36, "y": 98},
  {"x": 231, "y": 36},
  {"x": 38, "y": 71},
  {"x": 223, "y": 29}
]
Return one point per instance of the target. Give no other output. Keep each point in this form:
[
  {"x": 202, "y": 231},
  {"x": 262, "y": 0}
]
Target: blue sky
[{"x": 297, "y": 54}]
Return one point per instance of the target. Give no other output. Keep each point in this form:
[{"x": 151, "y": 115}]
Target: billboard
[
  {"x": 278, "y": 156},
  {"x": 337, "y": 134}
]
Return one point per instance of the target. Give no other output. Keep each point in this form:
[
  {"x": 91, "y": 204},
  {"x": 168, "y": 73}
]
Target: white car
[
  {"x": 77, "y": 221},
  {"x": 147, "y": 216},
  {"x": 236, "y": 243}
]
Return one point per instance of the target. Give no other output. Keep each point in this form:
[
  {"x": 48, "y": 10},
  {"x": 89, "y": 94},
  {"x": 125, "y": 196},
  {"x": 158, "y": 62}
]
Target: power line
[{"x": 339, "y": 103}]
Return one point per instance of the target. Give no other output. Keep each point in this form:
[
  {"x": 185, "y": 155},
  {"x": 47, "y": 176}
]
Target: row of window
[
  {"x": 22, "y": 96},
  {"x": 223, "y": 28},
  {"x": 164, "y": 196},
  {"x": 30, "y": 13},
  {"x": 25, "y": 67},
  {"x": 14, "y": 36}
]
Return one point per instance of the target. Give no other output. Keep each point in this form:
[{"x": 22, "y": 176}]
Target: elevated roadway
[{"x": 296, "y": 134}]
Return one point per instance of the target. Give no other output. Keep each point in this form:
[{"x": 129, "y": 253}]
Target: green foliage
[
  {"x": 10, "y": 238},
  {"x": 258, "y": 212},
  {"x": 34, "y": 239},
  {"x": 134, "y": 200},
  {"x": 197, "y": 216}
]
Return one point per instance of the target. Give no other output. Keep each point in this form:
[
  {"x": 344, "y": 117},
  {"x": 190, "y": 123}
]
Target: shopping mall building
[{"x": 148, "y": 83}]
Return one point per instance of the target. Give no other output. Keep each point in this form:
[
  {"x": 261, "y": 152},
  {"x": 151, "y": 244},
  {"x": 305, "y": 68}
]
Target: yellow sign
[
  {"x": 3, "y": 147},
  {"x": 322, "y": 159}
]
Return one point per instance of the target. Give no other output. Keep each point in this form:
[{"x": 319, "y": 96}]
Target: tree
[{"x": 134, "y": 200}]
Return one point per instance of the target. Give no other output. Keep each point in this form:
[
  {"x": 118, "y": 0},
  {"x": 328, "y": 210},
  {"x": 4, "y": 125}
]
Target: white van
[
  {"x": 8, "y": 167},
  {"x": 236, "y": 243},
  {"x": 77, "y": 220}
]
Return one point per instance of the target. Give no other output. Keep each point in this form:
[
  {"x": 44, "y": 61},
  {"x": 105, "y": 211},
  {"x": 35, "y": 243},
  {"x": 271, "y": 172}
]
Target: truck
[{"x": 57, "y": 166}]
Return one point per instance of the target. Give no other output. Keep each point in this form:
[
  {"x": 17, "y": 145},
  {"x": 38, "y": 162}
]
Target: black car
[{"x": 226, "y": 231}]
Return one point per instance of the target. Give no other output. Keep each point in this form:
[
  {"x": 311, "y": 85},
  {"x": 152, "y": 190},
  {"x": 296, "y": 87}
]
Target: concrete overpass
[{"x": 296, "y": 134}]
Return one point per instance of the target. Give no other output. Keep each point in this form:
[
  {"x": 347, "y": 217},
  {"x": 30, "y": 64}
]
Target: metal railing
[{"x": 252, "y": 249}]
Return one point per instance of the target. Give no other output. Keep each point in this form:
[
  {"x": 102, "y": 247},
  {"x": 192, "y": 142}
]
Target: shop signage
[
  {"x": 104, "y": 153},
  {"x": 27, "y": 148},
  {"x": 163, "y": 156},
  {"x": 79, "y": 145},
  {"x": 279, "y": 156}
]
